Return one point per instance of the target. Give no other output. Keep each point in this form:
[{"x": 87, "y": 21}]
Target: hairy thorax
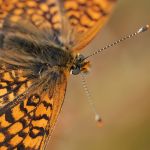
[{"x": 33, "y": 51}]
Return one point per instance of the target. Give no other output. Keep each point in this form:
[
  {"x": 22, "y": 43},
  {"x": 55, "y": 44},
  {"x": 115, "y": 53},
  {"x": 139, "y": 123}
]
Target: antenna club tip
[
  {"x": 147, "y": 26},
  {"x": 99, "y": 121},
  {"x": 143, "y": 29}
]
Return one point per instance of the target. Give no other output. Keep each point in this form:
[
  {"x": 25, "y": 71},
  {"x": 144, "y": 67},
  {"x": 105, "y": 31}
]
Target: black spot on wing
[
  {"x": 47, "y": 104},
  {"x": 33, "y": 100},
  {"x": 22, "y": 108},
  {"x": 36, "y": 131},
  {"x": 9, "y": 117},
  {"x": 41, "y": 117},
  {"x": 22, "y": 134},
  {"x": 21, "y": 147}
]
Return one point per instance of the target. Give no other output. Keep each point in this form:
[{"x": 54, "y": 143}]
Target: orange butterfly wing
[
  {"x": 43, "y": 14},
  {"x": 75, "y": 22},
  {"x": 86, "y": 18},
  {"x": 27, "y": 118}
]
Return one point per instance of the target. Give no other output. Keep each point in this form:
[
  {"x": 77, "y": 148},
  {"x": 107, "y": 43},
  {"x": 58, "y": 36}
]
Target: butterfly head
[{"x": 80, "y": 65}]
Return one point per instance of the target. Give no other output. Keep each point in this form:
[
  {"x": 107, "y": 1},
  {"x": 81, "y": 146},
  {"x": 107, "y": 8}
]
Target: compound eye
[{"x": 75, "y": 71}]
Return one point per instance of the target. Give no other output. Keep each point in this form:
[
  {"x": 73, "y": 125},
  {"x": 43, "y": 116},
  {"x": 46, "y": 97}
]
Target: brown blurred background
[{"x": 120, "y": 84}]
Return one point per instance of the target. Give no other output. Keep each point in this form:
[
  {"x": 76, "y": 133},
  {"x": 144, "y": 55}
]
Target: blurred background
[{"x": 120, "y": 84}]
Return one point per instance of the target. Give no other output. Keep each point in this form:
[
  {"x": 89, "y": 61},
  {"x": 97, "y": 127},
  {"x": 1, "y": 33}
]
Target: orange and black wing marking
[
  {"x": 27, "y": 118},
  {"x": 12, "y": 85},
  {"x": 43, "y": 14},
  {"x": 86, "y": 17},
  {"x": 74, "y": 22}
]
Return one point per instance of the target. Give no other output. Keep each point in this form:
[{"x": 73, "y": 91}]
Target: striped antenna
[
  {"x": 91, "y": 102},
  {"x": 139, "y": 31}
]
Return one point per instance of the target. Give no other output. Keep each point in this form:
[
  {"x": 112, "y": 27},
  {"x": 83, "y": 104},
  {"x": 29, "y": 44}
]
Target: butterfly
[{"x": 39, "y": 45}]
